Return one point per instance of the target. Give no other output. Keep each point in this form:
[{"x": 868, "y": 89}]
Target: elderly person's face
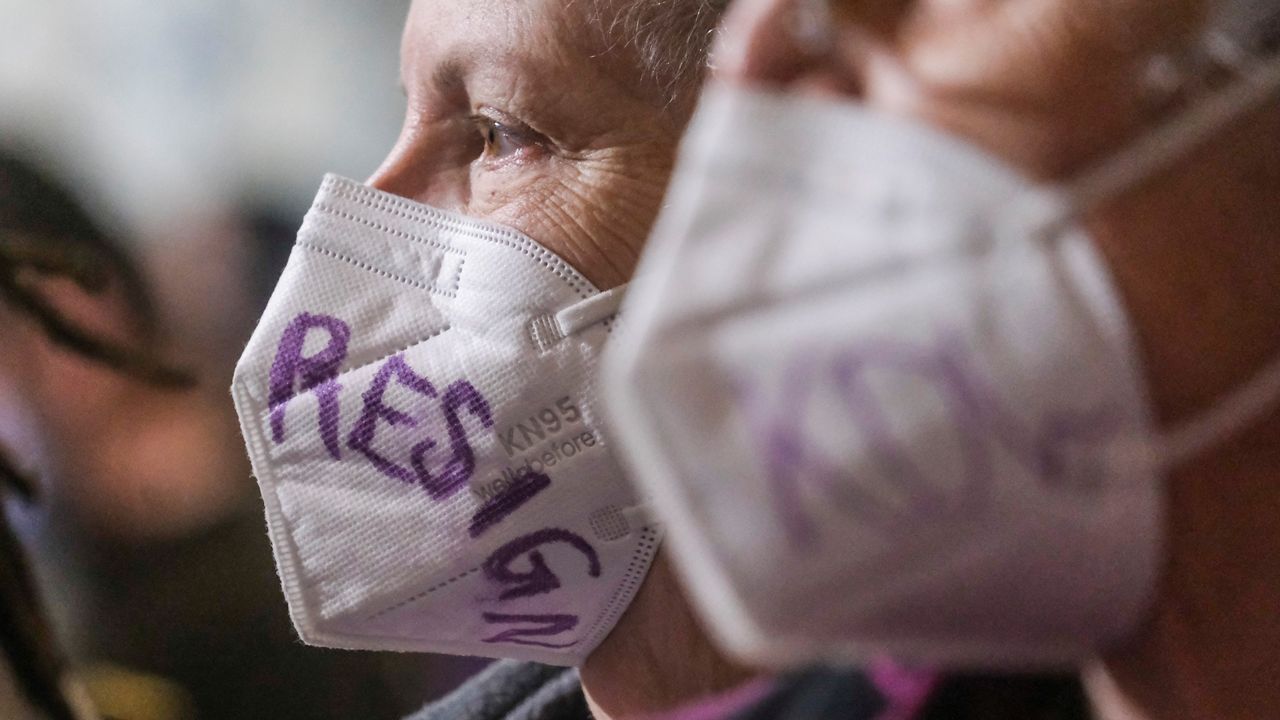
[
  {"x": 529, "y": 114},
  {"x": 544, "y": 116},
  {"x": 1052, "y": 86}
]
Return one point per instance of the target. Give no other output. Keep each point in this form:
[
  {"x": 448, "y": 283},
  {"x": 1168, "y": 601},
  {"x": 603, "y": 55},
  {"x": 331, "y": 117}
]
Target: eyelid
[
  {"x": 503, "y": 144},
  {"x": 519, "y": 129},
  {"x": 512, "y": 126}
]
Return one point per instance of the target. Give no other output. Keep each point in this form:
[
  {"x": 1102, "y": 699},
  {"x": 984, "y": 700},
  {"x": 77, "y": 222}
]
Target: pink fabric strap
[{"x": 905, "y": 692}]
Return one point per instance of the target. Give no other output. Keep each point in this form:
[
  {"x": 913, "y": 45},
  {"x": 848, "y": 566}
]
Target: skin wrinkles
[{"x": 567, "y": 210}]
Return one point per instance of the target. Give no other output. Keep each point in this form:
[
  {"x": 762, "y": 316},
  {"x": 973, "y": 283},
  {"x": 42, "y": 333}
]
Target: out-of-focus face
[
  {"x": 1046, "y": 84},
  {"x": 1052, "y": 86},
  {"x": 518, "y": 114},
  {"x": 128, "y": 460}
]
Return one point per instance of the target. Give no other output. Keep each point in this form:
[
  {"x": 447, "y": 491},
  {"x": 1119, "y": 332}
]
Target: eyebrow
[
  {"x": 447, "y": 82},
  {"x": 449, "y": 76}
]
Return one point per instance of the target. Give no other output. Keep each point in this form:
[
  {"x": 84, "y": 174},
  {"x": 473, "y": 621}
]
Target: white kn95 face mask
[
  {"x": 420, "y": 406},
  {"x": 885, "y": 394}
]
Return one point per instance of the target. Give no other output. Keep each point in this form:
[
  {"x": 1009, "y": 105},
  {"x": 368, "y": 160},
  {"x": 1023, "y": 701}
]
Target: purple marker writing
[
  {"x": 292, "y": 374},
  {"x": 539, "y": 578}
]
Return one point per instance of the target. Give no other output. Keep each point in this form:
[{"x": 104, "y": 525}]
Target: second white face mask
[
  {"x": 886, "y": 396},
  {"x": 419, "y": 402}
]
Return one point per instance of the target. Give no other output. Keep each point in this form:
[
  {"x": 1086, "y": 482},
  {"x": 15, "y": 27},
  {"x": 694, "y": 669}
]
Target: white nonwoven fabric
[{"x": 433, "y": 463}]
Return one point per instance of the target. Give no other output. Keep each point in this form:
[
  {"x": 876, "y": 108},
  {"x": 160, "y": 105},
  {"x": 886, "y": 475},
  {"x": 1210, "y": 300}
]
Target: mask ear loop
[
  {"x": 574, "y": 319},
  {"x": 1244, "y": 406},
  {"x": 595, "y": 309},
  {"x": 1258, "y": 83},
  {"x": 1169, "y": 143},
  {"x": 1055, "y": 206},
  {"x": 549, "y": 330}
]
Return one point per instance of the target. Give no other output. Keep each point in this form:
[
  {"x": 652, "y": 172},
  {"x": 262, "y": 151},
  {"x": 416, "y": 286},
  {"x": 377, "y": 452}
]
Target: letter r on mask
[{"x": 293, "y": 373}]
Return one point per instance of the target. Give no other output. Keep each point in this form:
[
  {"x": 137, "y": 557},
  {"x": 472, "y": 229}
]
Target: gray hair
[{"x": 669, "y": 38}]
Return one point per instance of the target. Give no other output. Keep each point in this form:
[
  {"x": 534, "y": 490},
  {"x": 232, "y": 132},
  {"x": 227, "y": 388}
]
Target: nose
[
  {"x": 803, "y": 46},
  {"x": 420, "y": 168}
]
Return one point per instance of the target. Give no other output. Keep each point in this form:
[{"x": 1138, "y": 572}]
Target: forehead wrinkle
[
  {"x": 540, "y": 60},
  {"x": 603, "y": 67},
  {"x": 446, "y": 44}
]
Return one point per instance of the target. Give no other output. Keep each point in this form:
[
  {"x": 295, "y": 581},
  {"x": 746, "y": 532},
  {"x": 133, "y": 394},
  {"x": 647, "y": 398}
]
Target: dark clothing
[
  {"x": 509, "y": 690},
  {"x": 525, "y": 691},
  {"x": 1035, "y": 697},
  {"x": 844, "y": 694},
  {"x": 204, "y": 611},
  {"x": 819, "y": 694}
]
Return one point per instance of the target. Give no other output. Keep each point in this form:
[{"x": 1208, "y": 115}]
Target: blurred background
[{"x": 191, "y": 136}]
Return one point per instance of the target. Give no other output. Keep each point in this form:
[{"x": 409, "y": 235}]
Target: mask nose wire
[{"x": 1249, "y": 402}]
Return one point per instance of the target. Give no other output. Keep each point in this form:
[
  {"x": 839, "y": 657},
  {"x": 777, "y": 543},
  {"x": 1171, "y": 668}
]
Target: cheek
[
  {"x": 596, "y": 215},
  {"x": 548, "y": 203},
  {"x": 567, "y": 217},
  {"x": 495, "y": 192},
  {"x": 76, "y": 395}
]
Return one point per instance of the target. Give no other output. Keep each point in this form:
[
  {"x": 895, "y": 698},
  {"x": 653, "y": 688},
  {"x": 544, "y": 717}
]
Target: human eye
[{"x": 507, "y": 140}]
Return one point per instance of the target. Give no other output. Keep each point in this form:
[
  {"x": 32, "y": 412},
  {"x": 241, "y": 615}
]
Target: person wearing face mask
[
  {"x": 955, "y": 349},
  {"x": 420, "y": 399}
]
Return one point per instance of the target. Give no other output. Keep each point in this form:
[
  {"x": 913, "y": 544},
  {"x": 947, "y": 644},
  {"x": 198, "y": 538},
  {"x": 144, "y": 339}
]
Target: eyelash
[
  {"x": 495, "y": 134},
  {"x": 501, "y": 141}
]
